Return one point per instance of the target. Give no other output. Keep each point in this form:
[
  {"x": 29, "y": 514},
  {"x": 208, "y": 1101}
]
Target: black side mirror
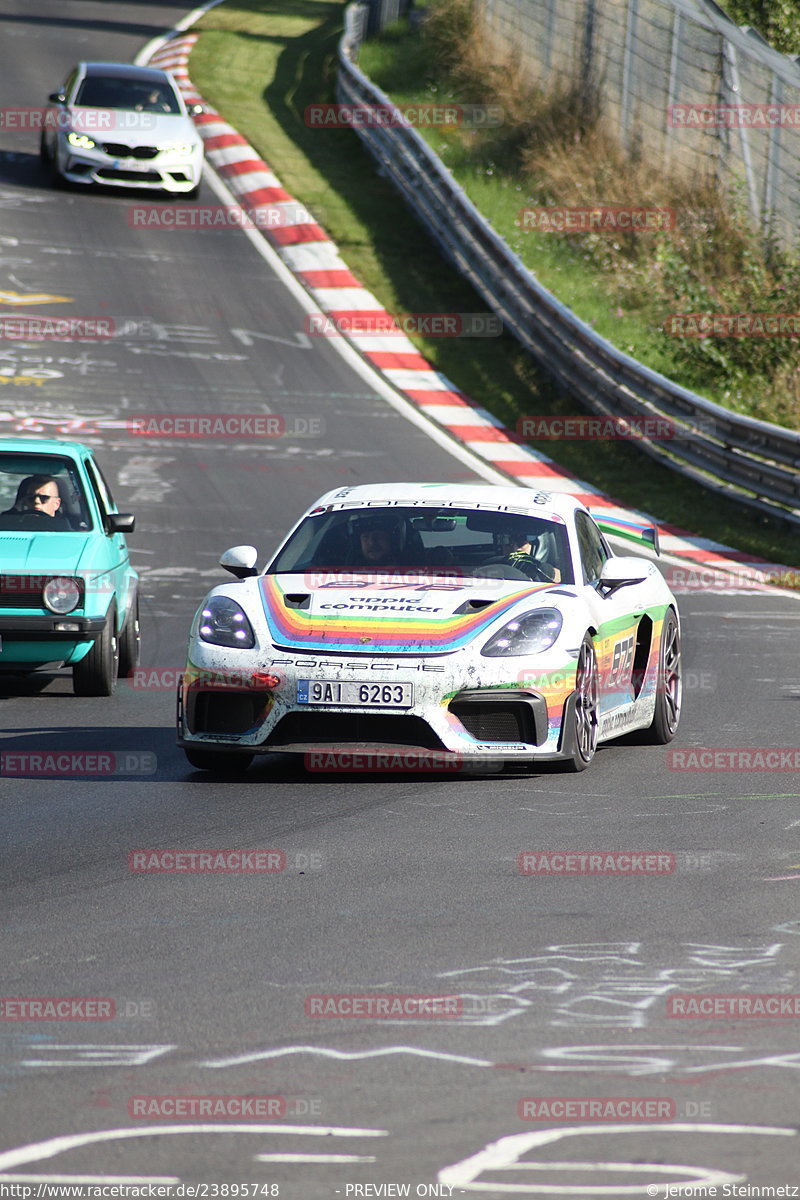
[
  {"x": 57, "y": 98},
  {"x": 120, "y": 522}
]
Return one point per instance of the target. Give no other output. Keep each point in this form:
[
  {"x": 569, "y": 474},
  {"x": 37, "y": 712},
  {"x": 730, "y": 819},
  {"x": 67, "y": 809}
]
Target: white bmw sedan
[{"x": 122, "y": 126}]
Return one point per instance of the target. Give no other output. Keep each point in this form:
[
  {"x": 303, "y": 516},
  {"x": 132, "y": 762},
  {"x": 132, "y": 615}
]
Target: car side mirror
[
  {"x": 621, "y": 572},
  {"x": 57, "y": 98},
  {"x": 120, "y": 522},
  {"x": 240, "y": 561},
  {"x": 196, "y": 110}
]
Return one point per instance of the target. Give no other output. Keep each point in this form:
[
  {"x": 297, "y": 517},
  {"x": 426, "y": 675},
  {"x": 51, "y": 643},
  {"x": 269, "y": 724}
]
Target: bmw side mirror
[
  {"x": 120, "y": 522},
  {"x": 57, "y": 98},
  {"x": 196, "y": 110},
  {"x": 240, "y": 561}
]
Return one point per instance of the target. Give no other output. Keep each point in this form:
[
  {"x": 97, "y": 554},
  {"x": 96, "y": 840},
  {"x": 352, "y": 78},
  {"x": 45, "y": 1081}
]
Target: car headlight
[
  {"x": 223, "y": 623},
  {"x": 81, "y": 140},
  {"x": 179, "y": 148},
  {"x": 528, "y": 634},
  {"x": 61, "y": 595}
]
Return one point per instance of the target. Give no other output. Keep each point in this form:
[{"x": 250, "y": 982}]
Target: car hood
[
  {"x": 134, "y": 129},
  {"x": 370, "y": 614},
  {"x": 43, "y": 553}
]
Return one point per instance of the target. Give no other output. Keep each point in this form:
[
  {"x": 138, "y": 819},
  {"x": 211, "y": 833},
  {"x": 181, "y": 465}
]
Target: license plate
[{"x": 355, "y": 695}]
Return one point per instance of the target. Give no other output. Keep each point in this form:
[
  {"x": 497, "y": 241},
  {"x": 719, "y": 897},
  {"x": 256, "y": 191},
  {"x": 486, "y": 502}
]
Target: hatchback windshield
[
  {"x": 483, "y": 543},
  {"x": 41, "y": 493}
]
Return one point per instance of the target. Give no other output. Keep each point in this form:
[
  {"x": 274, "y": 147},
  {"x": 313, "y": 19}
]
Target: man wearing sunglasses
[{"x": 38, "y": 496}]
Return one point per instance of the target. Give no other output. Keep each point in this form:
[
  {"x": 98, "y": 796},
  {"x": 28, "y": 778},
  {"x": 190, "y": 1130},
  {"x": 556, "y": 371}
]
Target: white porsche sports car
[{"x": 453, "y": 624}]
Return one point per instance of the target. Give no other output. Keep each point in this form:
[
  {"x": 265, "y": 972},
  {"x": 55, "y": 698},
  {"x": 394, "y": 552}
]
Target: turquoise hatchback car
[{"x": 68, "y": 594}]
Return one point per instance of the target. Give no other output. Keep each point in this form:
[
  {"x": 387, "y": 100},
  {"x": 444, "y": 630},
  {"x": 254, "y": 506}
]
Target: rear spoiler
[{"x": 632, "y": 531}]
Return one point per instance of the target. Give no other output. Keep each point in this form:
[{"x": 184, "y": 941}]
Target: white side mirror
[
  {"x": 622, "y": 571},
  {"x": 240, "y": 561}
]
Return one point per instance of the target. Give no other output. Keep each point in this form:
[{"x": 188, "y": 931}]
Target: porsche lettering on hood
[{"x": 385, "y": 617}]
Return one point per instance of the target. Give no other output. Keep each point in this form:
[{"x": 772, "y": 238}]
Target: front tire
[
  {"x": 218, "y": 761},
  {"x": 585, "y": 712},
  {"x": 669, "y": 686},
  {"x": 96, "y": 674},
  {"x": 130, "y": 642}
]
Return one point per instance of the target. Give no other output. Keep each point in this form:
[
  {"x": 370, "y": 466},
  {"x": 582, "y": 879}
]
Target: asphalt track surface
[{"x": 394, "y": 884}]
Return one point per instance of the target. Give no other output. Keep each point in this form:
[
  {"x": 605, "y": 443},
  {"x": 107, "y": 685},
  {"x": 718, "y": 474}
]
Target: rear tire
[
  {"x": 96, "y": 674},
  {"x": 218, "y": 761},
  {"x": 669, "y": 686},
  {"x": 585, "y": 714}
]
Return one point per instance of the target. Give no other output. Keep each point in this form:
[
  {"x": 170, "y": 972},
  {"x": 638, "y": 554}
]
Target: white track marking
[
  {"x": 36, "y": 1151},
  {"x": 504, "y": 1155},
  {"x": 345, "y": 1055}
]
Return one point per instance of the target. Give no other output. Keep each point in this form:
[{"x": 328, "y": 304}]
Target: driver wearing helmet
[
  {"x": 381, "y": 540},
  {"x": 518, "y": 542}
]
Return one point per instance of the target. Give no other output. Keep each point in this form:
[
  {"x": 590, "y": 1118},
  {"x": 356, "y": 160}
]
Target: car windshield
[
  {"x": 41, "y": 493},
  {"x": 100, "y": 91},
  {"x": 473, "y": 542}
]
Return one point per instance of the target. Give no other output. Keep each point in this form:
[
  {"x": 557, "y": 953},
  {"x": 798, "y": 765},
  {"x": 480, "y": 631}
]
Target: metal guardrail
[{"x": 751, "y": 461}]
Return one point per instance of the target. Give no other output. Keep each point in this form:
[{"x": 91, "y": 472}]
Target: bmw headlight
[
  {"x": 528, "y": 634},
  {"x": 81, "y": 140},
  {"x": 178, "y": 148},
  {"x": 61, "y": 595},
  {"x": 223, "y": 623}
]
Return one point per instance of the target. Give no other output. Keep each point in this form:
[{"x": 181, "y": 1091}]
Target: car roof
[
  {"x": 113, "y": 70},
  {"x": 491, "y": 495},
  {"x": 23, "y": 445}
]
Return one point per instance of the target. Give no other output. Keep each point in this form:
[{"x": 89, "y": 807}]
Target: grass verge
[{"x": 261, "y": 63}]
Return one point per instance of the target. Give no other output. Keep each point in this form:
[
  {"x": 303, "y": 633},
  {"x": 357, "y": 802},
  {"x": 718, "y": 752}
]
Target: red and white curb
[{"x": 314, "y": 259}]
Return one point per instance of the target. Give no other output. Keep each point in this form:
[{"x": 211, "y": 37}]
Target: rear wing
[{"x": 632, "y": 531}]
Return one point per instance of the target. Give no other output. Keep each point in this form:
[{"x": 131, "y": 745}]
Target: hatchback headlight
[
  {"x": 61, "y": 595},
  {"x": 81, "y": 140},
  {"x": 222, "y": 623},
  {"x": 529, "y": 634}
]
